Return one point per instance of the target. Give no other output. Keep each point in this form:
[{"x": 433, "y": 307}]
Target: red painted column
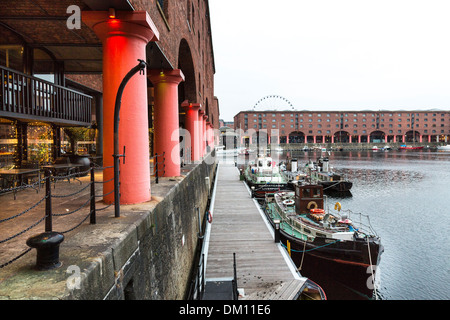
[
  {"x": 213, "y": 138},
  {"x": 167, "y": 124},
  {"x": 201, "y": 133},
  {"x": 205, "y": 137},
  {"x": 209, "y": 134},
  {"x": 124, "y": 39},
  {"x": 192, "y": 110}
]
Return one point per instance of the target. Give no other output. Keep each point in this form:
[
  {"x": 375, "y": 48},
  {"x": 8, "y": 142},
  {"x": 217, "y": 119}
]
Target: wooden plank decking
[{"x": 238, "y": 227}]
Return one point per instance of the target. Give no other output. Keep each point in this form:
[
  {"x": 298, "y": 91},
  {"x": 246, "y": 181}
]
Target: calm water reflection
[{"x": 407, "y": 195}]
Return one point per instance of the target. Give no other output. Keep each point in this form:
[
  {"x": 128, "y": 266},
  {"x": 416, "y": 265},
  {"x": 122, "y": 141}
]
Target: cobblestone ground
[
  {"x": 69, "y": 212},
  {"x": 70, "y": 207}
]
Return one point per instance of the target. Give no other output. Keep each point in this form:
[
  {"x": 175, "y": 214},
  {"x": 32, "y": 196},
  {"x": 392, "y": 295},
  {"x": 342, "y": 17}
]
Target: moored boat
[
  {"x": 263, "y": 175},
  {"x": 321, "y": 173},
  {"x": 323, "y": 241},
  {"x": 446, "y": 147},
  {"x": 405, "y": 147}
]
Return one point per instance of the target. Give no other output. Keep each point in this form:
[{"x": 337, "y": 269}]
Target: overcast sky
[{"x": 332, "y": 54}]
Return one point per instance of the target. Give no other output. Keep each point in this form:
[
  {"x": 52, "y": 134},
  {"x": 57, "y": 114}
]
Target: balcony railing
[{"x": 28, "y": 97}]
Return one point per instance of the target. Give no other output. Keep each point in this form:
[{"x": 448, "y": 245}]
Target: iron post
[{"x": 140, "y": 67}]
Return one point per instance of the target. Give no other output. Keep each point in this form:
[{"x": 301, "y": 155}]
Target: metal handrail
[{"x": 24, "y": 94}]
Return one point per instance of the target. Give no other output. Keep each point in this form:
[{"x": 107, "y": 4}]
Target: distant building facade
[{"x": 343, "y": 126}]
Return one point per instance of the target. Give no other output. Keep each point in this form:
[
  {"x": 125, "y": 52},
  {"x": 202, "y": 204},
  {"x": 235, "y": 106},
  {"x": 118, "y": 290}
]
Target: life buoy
[
  {"x": 311, "y": 203},
  {"x": 317, "y": 211},
  {"x": 288, "y": 202},
  {"x": 209, "y": 216},
  {"x": 337, "y": 206}
]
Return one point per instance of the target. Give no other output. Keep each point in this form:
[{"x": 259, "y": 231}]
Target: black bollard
[
  {"x": 277, "y": 231},
  {"x": 47, "y": 247}
]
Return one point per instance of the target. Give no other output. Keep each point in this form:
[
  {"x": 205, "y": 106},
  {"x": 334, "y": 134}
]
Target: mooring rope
[
  {"x": 371, "y": 268},
  {"x": 325, "y": 245}
]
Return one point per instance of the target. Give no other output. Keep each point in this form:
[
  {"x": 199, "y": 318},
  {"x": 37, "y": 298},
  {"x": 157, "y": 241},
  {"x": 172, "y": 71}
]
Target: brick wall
[
  {"x": 355, "y": 123},
  {"x": 188, "y": 20}
]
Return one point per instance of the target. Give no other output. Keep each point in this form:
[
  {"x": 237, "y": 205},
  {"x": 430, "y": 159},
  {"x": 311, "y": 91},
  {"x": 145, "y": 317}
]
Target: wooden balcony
[{"x": 30, "y": 98}]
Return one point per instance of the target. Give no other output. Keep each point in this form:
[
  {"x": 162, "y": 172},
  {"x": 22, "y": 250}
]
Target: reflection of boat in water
[
  {"x": 321, "y": 173},
  {"x": 325, "y": 242},
  {"x": 246, "y": 152},
  {"x": 264, "y": 176}
]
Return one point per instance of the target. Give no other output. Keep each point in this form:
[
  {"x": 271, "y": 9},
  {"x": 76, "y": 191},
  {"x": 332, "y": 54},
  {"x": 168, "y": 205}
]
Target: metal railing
[
  {"x": 36, "y": 98},
  {"x": 47, "y": 199},
  {"x": 158, "y": 166}
]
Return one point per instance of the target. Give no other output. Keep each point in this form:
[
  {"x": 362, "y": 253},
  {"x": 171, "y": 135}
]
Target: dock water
[{"x": 264, "y": 271}]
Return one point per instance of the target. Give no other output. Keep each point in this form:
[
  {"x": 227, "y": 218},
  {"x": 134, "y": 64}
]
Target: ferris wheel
[{"x": 273, "y": 103}]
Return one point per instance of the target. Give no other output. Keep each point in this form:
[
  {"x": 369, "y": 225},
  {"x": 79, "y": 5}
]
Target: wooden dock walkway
[{"x": 264, "y": 270}]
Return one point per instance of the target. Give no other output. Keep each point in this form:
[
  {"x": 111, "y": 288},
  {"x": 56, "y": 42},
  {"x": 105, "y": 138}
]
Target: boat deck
[{"x": 264, "y": 270}]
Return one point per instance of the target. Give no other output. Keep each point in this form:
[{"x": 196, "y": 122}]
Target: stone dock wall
[{"x": 146, "y": 253}]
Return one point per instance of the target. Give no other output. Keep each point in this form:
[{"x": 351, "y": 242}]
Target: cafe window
[
  {"x": 43, "y": 66},
  {"x": 11, "y": 56},
  {"x": 40, "y": 142},
  {"x": 8, "y": 143}
]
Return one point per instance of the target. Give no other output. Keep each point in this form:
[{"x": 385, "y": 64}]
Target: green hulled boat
[
  {"x": 325, "y": 241},
  {"x": 263, "y": 176}
]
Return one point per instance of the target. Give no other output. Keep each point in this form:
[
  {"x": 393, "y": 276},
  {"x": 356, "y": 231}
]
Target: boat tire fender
[
  {"x": 337, "y": 206},
  {"x": 209, "y": 216},
  {"x": 310, "y": 204}
]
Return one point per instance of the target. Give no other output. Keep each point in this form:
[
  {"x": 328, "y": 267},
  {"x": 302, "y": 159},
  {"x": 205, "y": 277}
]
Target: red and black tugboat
[{"x": 328, "y": 243}]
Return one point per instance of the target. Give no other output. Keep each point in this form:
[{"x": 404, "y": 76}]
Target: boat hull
[
  {"x": 345, "y": 262},
  {"x": 259, "y": 190},
  {"x": 328, "y": 261},
  {"x": 410, "y": 148},
  {"x": 341, "y": 186}
]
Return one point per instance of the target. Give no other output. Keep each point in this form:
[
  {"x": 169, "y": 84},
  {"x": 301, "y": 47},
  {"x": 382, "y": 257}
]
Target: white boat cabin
[{"x": 264, "y": 165}]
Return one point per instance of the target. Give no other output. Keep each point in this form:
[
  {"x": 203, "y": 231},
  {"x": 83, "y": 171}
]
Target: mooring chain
[
  {"x": 14, "y": 259},
  {"x": 25, "y": 211},
  {"x": 70, "y": 175},
  {"x": 76, "y": 210},
  {"x": 23, "y": 231},
  {"x": 22, "y": 187},
  {"x": 72, "y": 194}
]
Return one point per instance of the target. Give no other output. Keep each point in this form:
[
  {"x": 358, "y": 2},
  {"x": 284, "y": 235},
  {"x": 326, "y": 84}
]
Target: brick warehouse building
[
  {"x": 366, "y": 126},
  {"x": 62, "y": 68}
]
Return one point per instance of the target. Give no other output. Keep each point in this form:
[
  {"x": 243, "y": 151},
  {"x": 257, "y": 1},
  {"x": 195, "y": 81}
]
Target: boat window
[
  {"x": 318, "y": 234},
  {"x": 316, "y": 193},
  {"x": 307, "y": 230},
  {"x": 306, "y": 193},
  {"x": 260, "y": 164}
]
